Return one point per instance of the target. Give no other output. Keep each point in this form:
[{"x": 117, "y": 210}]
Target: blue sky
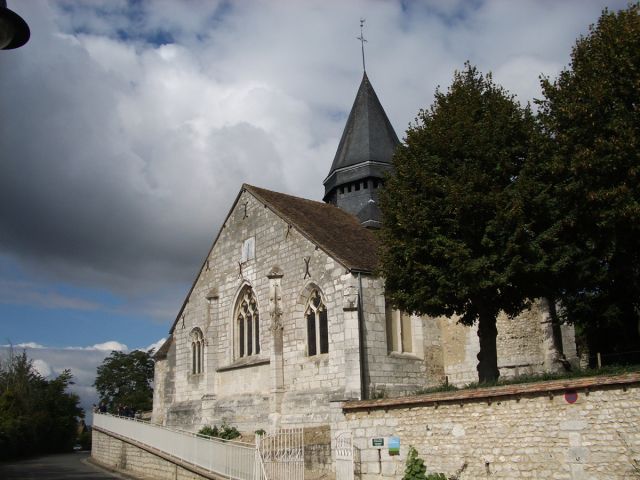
[{"x": 129, "y": 127}]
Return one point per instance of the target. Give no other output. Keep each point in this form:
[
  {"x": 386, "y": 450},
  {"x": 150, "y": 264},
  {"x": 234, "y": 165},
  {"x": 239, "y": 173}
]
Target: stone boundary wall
[
  {"x": 124, "y": 455},
  {"x": 579, "y": 429}
]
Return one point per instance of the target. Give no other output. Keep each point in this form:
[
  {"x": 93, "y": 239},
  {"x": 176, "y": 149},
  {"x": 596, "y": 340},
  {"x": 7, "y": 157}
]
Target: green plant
[
  {"x": 225, "y": 431},
  {"x": 436, "y": 476},
  {"x": 260, "y": 431},
  {"x": 416, "y": 469},
  {"x": 209, "y": 431}
]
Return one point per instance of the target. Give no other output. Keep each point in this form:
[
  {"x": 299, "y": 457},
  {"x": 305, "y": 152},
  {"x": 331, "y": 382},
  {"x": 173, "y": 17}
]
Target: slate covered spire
[{"x": 363, "y": 157}]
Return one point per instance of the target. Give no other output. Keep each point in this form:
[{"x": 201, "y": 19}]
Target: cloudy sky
[{"x": 128, "y": 128}]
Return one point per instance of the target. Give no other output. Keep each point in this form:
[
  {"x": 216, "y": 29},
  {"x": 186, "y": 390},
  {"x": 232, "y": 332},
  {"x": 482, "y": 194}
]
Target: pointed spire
[
  {"x": 364, "y": 153},
  {"x": 368, "y": 135}
]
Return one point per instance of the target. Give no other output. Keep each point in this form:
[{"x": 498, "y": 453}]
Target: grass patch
[{"x": 537, "y": 377}]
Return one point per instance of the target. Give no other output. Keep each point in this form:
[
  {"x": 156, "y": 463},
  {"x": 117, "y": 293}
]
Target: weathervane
[{"x": 362, "y": 40}]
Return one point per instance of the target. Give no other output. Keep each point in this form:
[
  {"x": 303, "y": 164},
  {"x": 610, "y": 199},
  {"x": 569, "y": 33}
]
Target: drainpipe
[{"x": 364, "y": 394}]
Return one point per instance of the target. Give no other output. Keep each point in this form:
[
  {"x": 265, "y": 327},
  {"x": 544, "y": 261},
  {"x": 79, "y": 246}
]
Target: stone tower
[{"x": 363, "y": 157}]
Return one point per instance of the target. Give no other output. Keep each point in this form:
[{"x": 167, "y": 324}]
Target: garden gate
[
  {"x": 282, "y": 454},
  {"x": 344, "y": 456}
]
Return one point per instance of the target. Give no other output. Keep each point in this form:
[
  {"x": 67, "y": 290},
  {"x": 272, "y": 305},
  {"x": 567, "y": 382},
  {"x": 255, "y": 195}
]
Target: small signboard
[
  {"x": 394, "y": 445},
  {"x": 571, "y": 396},
  {"x": 377, "y": 442}
]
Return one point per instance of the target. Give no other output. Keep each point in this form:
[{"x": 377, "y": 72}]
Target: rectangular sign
[
  {"x": 377, "y": 442},
  {"x": 394, "y": 445}
]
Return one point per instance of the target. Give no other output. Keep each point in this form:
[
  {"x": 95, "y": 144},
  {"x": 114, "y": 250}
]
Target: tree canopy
[
  {"x": 587, "y": 183},
  {"x": 36, "y": 415},
  {"x": 125, "y": 379},
  {"x": 445, "y": 249}
]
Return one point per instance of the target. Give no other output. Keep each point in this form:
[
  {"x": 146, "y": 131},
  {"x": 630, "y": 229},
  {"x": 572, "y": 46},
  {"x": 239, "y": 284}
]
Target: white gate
[
  {"x": 344, "y": 456},
  {"x": 282, "y": 454}
]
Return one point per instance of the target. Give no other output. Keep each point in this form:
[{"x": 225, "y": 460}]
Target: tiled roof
[
  {"x": 335, "y": 231},
  {"x": 368, "y": 135}
]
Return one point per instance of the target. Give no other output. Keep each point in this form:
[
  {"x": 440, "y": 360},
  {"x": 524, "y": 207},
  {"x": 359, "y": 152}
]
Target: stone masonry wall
[
  {"x": 512, "y": 432},
  {"x": 125, "y": 457},
  {"x": 393, "y": 374},
  {"x": 520, "y": 344},
  {"x": 242, "y": 390}
]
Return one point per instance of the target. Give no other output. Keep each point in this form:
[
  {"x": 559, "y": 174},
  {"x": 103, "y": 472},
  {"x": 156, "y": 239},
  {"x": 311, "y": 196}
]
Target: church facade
[{"x": 286, "y": 318}]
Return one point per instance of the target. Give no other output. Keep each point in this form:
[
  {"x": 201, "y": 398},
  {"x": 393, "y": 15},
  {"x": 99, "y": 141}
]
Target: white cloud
[
  {"x": 26, "y": 345},
  {"x": 137, "y": 122},
  {"x": 155, "y": 345},
  {"x": 107, "y": 346},
  {"x": 42, "y": 367},
  {"x": 110, "y": 346}
]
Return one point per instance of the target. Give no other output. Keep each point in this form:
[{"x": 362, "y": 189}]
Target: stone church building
[{"x": 286, "y": 317}]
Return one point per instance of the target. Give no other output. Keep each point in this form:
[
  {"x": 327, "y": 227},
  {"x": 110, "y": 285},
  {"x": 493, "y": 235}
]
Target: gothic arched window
[
  {"x": 197, "y": 351},
  {"x": 317, "y": 325},
  {"x": 247, "y": 320}
]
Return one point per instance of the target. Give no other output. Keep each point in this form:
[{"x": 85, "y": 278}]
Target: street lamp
[{"x": 14, "y": 31}]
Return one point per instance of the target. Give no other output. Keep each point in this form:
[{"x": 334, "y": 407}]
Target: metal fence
[
  {"x": 234, "y": 460},
  {"x": 344, "y": 457},
  {"x": 282, "y": 454}
]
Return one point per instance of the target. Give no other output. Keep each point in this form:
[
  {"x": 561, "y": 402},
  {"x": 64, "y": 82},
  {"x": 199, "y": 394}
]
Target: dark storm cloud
[{"x": 128, "y": 127}]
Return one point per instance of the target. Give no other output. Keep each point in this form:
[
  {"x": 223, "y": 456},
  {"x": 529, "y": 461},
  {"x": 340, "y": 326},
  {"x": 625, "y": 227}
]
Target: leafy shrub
[
  {"x": 225, "y": 432},
  {"x": 416, "y": 469},
  {"x": 415, "y": 466},
  {"x": 209, "y": 431}
]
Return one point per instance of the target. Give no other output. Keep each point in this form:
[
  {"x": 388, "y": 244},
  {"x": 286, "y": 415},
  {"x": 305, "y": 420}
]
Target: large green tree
[
  {"x": 125, "y": 379},
  {"x": 445, "y": 250},
  {"x": 585, "y": 185},
  {"x": 36, "y": 415}
]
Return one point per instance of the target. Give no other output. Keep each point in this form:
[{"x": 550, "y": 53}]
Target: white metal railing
[
  {"x": 234, "y": 460},
  {"x": 282, "y": 454}
]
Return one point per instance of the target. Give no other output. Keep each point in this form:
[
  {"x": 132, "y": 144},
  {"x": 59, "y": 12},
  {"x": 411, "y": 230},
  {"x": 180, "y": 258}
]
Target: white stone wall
[
  {"x": 520, "y": 344},
  {"x": 309, "y": 382},
  {"x": 287, "y": 386},
  {"x": 392, "y": 373},
  {"x": 136, "y": 462},
  {"x": 534, "y": 436}
]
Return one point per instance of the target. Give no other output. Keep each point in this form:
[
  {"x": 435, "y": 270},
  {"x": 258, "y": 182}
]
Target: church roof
[
  {"x": 164, "y": 348},
  {"x": 368, "y": 135},
  {"x": 335, "y": 231}
]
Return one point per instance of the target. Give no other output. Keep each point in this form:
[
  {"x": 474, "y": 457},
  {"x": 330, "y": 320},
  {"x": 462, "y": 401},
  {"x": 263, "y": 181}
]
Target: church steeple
[{"x": 363, "y": 157}]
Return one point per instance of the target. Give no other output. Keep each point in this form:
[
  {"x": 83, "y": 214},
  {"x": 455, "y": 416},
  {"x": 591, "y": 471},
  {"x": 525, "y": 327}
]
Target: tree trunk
[
  {"x": 554, "y": 359},
  {"x": 488, "y": 355}
]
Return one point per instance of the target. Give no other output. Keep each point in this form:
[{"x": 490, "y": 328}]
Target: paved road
[{"x": 55, "y": 467}]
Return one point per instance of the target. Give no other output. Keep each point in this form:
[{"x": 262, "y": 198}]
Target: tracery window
[
  {"x": 317, "y": 325},
  {"x": 247, "y": 320},
  {"x": 197, "y": 351},
  {"x": 399, "y": 335}
]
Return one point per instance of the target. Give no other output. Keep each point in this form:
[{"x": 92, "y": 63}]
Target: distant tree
[
  {"x": 586, "y": 185},
  {"x": 445, "y": 250},
  {"x": 36, "y": 415},
  {"x": 125, "y": 379}
]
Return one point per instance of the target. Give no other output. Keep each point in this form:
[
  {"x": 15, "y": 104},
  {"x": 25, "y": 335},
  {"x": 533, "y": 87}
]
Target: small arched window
[
  {"x": 317, "y": 325},
  {"x": 247, "y": 320},
  {"x": 197, "y": 351}
]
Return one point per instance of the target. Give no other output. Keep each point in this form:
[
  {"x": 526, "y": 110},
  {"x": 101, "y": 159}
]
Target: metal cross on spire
[{"x": 362, "y": 40}]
